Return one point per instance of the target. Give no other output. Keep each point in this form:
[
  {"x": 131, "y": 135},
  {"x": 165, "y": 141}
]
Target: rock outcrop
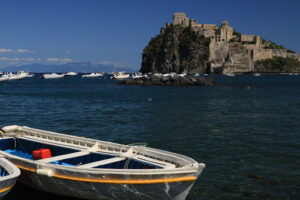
[
  {"x": 176, "y": 49},
  {"x": 170, "y": 80}
]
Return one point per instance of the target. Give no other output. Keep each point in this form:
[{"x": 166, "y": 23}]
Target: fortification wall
[
  {"x": 247, "y": 38},
  {"x": 279, "y": 53},
  {"x": 262, "y": 54}
]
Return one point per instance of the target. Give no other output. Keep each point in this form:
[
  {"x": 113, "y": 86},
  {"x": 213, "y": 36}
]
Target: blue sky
[{"x": 116, "y": 31}]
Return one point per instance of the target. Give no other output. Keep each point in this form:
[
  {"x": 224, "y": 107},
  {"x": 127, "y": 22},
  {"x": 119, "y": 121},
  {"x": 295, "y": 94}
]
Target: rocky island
[{"x": 185, "y": 46}]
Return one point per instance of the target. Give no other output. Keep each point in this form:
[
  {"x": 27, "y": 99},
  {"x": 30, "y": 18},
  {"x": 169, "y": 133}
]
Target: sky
[{"x": 116, "y": 31}]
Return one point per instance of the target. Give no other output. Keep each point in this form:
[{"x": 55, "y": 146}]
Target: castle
[
  {"x": 223, "y": 33},
  {"x": 224, "y": 42}
]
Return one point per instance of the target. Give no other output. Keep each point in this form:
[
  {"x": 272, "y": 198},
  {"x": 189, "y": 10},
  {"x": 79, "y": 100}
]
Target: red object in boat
[{"x": 41, "y": 154}]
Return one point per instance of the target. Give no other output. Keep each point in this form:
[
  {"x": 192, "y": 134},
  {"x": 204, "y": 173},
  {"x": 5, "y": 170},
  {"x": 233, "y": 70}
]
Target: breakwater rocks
[{"x": 170, "y": 81}]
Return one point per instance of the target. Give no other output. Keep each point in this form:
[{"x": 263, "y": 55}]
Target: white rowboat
[{"x": 94, "y": 169}]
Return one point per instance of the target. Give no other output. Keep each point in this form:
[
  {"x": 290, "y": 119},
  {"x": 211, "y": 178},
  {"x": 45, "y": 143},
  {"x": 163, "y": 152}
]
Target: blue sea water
[{"x": 246, "y": 130}]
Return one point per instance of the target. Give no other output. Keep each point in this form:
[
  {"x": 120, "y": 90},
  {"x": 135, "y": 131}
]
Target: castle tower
[
  {"x": 181, "y": 19},
  {"x": 226, "y": 31}
]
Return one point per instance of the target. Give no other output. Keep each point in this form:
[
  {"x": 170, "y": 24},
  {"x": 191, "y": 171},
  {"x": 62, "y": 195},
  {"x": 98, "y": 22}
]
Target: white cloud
[
  {"x": 67, "y": 60},
  {"x": 115, "y": 63},
  {"x": 60, "y": 60},
  {"x": 10, "y": 59},
  {"x": 23, "y": 51},
  {"x": 52, "y": 59},
  {"x": 68, "y": 52},
  {"x": 2, "y": 50},
  {"x": 31, "y": 59}
]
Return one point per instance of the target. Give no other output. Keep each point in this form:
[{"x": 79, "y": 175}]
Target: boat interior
[{"x": 68, "y": 156}]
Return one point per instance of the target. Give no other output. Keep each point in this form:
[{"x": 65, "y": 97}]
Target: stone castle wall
[
  {"x": 181, "y": 19},
  {"x": 247, "y": 38},
  {"x": 262, "y": 54}
]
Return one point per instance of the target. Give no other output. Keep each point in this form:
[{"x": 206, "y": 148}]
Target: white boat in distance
[
  {"x": 92, "y": 75},
  {"x": 71, "y": 74},
  {"x": 120, "y": 75},
  {"x": 52, "y": 76},
  {"x": 93, "y": 169},
  {"x": 8, "y": 176},
  {"x": 136, "y": 75},
  {"x": 256, "y": 74},
  {"x": 4, "y": 77},
  {"x": 18, "y": 76},
  {"x": 229, "y": 74}
]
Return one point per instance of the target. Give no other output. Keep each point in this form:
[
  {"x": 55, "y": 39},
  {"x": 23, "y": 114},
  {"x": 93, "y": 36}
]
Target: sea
[{"x": 246, "y": 129}]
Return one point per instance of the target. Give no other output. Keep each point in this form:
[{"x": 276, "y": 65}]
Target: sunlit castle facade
[{"x": 223, "y": 33}]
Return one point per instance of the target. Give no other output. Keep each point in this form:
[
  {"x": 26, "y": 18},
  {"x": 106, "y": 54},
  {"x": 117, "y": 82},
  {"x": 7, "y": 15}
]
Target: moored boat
[
  {"x": 94, "y": 169},
  {"x": 17, "y": 76},
  {"x": 229, "y": 74},
  {"x": 92, "y": 75},
  {"x": 4, "y": 77},
  {"x": 52, "y": 76},
  {"x": 71, "y": 74},
  {"x": 8, "y": 176},
  {"x": 136, "y": 75},
  {"x": 120, "y": 75}
]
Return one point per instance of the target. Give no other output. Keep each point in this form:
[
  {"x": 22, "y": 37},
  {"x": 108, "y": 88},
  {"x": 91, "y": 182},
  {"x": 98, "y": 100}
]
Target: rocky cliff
[{"x": 176, "y": 49}]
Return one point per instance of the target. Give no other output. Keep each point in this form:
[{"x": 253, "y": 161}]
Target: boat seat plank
[
  {"x": 101, "y": 162},
  {"x": 65, "y": 156},
  {"x": 151, "y": 161}
]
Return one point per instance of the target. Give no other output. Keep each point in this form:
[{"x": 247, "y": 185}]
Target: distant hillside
[{"x": 83, "y": 67}]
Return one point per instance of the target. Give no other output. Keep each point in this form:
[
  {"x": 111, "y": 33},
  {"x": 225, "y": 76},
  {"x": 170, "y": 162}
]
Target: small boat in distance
[
  {"x": 158, "y": 74},
  {"x": 93, "y": 169},
  {"x": 17, "y": 76},
  {"x": 92, "y": 75},
  {"x": 256, "y": 74},
  {"x": 120, "y": 75},
  {"x": 52, "y": 76},
  {"x": 71, "y": 74},
  {"x": 136, "y": 75},
  {"x": 229, "y": 74},
  {"x": 4, "y": 77},
  {"x": 8, "y": 176}
]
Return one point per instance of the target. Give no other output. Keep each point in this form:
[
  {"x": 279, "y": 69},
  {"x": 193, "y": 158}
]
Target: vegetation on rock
[
  {"x": 277, "y": 64},
  {"x": 176, "y": 49}
]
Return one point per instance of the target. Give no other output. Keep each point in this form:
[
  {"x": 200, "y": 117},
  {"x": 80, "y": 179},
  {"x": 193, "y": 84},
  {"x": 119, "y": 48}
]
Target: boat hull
[{"x": 112, "y": 187}]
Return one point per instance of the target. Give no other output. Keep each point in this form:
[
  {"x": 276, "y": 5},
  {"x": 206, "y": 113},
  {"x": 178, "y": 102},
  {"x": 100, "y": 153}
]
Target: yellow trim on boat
[
  {"x": 129, "y": 181},
  {"x": 117, "y": 181},
  {"x": 6, "y": 188},
  {"x": 25, "y": 168}
]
